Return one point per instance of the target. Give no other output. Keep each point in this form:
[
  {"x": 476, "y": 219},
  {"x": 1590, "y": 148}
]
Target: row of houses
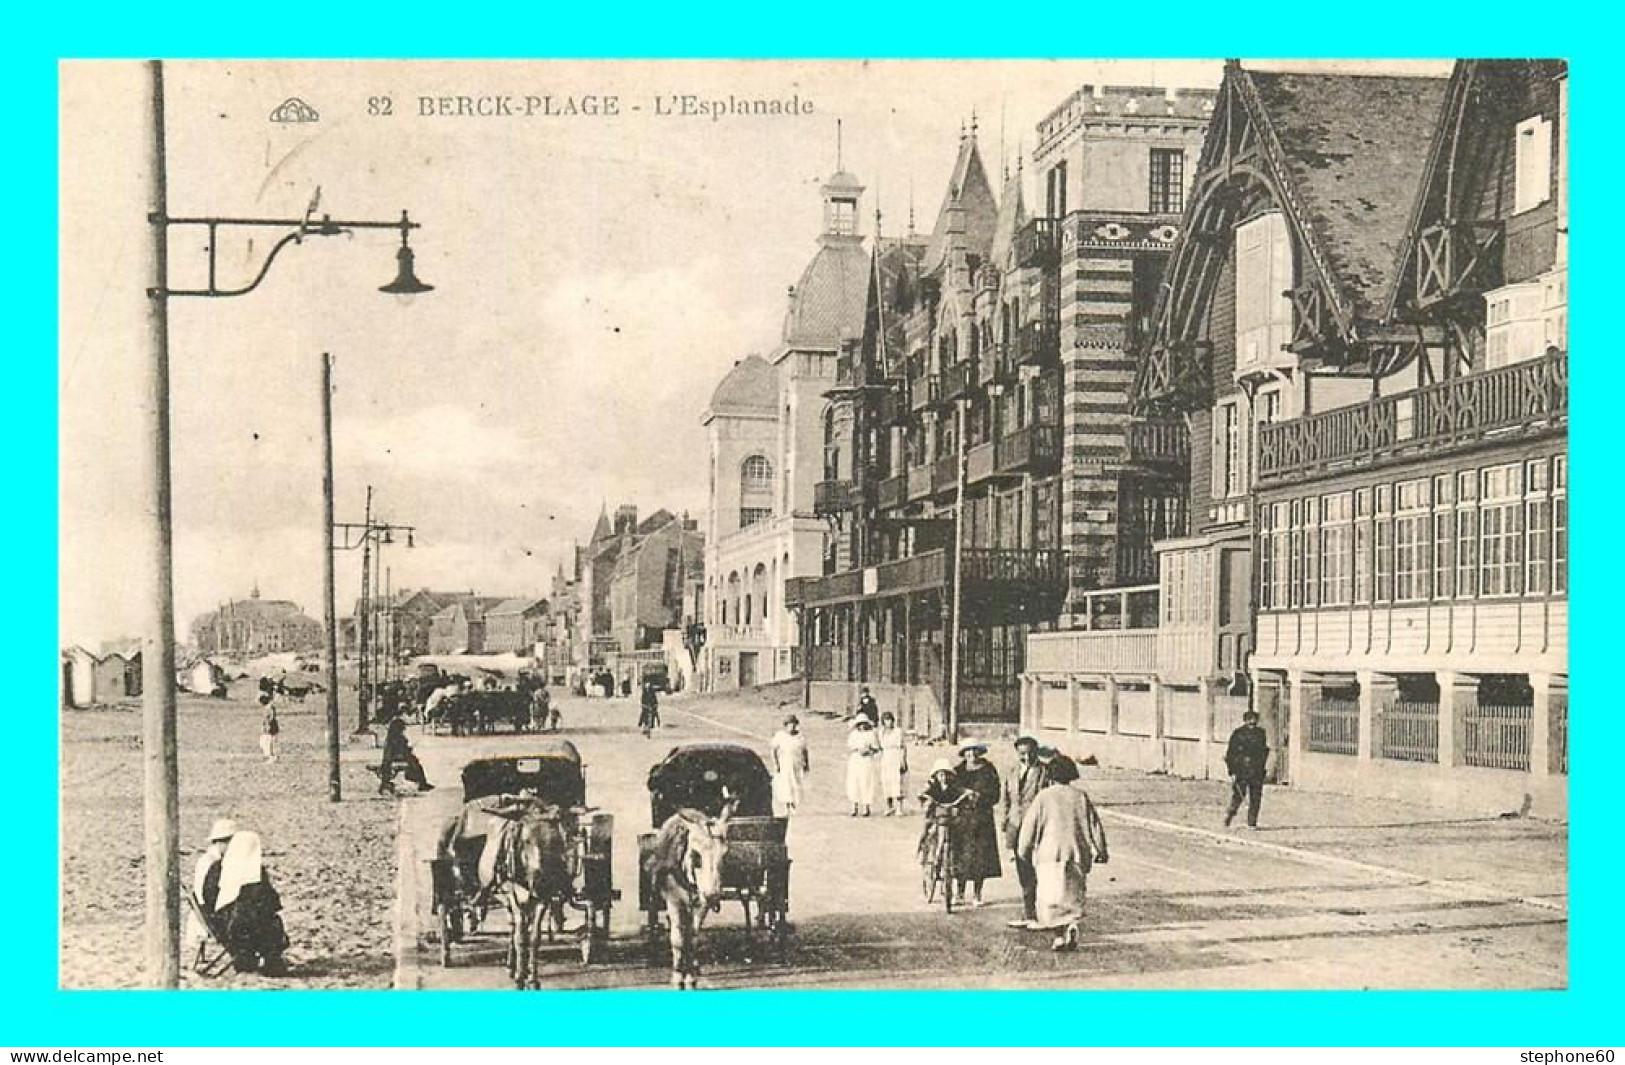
[{"x": 1263, "y": 404}]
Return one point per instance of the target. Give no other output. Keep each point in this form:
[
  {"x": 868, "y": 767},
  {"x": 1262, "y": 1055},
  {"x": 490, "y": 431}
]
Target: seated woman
[{"x": 250, "y": 909}]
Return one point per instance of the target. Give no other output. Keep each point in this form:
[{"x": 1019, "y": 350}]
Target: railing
[
  {"x": 1132, "y": 651},
  {"x": 1497, "y": 737},
  {"x": 1021, "y": 571},
  {"x": 958, "y": 379},
  {"x": 919, "y": 483},
  {"x": 925, "y": 392},
  {"x": 979, "y": 463},
  {"x": 795, "y": 591},
  {"x": 929, "y": 570},
  {"x": 1158, "y": 443},
  {"x": 835, "y": 497},
  {"x": 833, "y": 588},
  {"x": 1558, "y": 752},
  {"x": 1409, "y": 732},
  {"x": 1038, "y": 342},
  {"x": 1014, "y": 565},
  {"x": 1036, "y": 243},
  {"x": 1037, "y": 447},
  {"x": 1456, "y": 412},
  {"x": 892, "y": 492},
  {"x": 1334, "y": 726},
  {"x": 945, "y": 473}
]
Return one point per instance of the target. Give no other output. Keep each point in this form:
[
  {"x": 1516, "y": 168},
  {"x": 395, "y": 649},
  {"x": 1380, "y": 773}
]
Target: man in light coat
[{"x": 1062, "y": 837}]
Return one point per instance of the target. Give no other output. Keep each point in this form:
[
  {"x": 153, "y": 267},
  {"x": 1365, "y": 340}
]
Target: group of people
[
  {"x": 1052, "y": 831},
  {"x": 232, "y": 889}
]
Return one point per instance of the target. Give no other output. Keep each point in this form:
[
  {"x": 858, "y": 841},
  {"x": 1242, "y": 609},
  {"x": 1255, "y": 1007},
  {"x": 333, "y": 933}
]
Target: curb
[
  {"x": 1468, "y": 889},
  {"x": 404, "y": 915}
]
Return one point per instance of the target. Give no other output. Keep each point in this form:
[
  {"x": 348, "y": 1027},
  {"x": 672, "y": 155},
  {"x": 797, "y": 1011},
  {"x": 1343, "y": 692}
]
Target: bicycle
[{"x": 942, "y": 868}]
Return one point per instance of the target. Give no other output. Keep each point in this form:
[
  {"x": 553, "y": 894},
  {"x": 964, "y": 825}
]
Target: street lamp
[{"x": 161, "y": 799}]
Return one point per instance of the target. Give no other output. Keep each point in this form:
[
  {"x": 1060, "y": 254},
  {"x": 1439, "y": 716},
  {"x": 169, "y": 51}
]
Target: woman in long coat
[
  {"x": 1061, "y": 835},
  {"x": 862, "y": 766},
  {"x": 979, "y": 847}
]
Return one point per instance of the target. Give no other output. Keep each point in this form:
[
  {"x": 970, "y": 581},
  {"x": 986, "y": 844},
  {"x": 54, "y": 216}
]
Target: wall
[
  {"x": 1139, "y": 724},
  {"x": 915, "y": 705}
]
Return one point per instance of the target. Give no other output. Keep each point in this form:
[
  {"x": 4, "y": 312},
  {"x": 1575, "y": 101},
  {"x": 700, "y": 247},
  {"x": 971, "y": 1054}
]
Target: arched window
[{"x": 755, "y": 490}]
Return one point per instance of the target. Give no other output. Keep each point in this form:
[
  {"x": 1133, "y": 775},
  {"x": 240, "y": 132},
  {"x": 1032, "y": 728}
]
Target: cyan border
[{"x": 36, "y": 1013}]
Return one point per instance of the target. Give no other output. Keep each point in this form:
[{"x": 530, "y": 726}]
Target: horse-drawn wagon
[
  {"x": 726, "y": 794},
  {"x": 525, "y": 838},
  {"x": 469, "y": 712}
]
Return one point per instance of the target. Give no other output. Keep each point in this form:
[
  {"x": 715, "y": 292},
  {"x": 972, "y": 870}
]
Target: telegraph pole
[
  {"x": 330, "y": 617},
  {"x": 160, "y": 765},
  {"x": 363, "y": 629}
]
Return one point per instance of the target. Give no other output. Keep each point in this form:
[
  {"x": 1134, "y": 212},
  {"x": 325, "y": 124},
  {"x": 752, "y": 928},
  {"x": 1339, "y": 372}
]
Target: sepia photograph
[{"x": 1022, "y": 524}]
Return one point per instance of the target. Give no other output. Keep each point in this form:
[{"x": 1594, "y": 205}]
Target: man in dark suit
[
  {"x": 1245, "y": 758},
  {"x": 1021, "y": 786}
]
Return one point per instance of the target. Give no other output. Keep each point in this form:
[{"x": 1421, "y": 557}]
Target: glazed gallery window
[
  {"x": 1167, "y": 180},
  {"x": 1263, "y": 277},
  {"x": 755, "y": 491},
  {"x": 1336, "y": 542}
]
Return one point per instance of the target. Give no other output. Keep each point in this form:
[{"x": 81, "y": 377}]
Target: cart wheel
[
  {"x": 588, "y": 948},
  {"x": 947, "y": 895},
  {"x": 446, "y": 934},
  {"x": 928, "y": 883}
]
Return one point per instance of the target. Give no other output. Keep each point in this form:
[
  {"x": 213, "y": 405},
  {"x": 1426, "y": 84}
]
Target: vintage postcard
[{"x": 1084, "y": 524}]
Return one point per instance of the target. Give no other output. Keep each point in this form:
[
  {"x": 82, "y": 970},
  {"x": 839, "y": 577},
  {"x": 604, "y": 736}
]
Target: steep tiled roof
[
  {"x": 515, "y": 606},
  {"x": 751, "y": 387},
  {"x": 1353, "y": 149},
  {"x": 969, "y": 189},
  {"x": 1012, "y": 215}
]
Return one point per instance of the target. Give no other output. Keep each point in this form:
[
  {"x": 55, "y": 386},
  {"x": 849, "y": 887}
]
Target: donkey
[
  {"x": 535, "y": 870},
  {"x": 685, "y": 870}
]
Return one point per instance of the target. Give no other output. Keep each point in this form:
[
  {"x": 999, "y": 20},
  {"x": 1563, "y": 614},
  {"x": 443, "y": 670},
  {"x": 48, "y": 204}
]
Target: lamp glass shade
[{"x": 406, "y": 281}]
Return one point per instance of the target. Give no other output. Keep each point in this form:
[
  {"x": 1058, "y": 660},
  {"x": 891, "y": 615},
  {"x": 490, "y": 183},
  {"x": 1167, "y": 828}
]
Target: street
[{"x": 1329, "y": 893}]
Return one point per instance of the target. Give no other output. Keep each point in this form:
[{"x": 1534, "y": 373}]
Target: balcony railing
[
  {"x": 990, "y": 574},
  {"x": 958, "y": 379},
  {"x": 835, "y": 497},
  {"x": 1038, "y": 342},
  {"x": 1014, "y": 566},
  {"x": 1158, "y": 443},
  {"x": 979, "y": 462},
  {"x": 1131, "y": 651},
  {"x": 1525, "y": 395},
  {"x": 945, "y": 473},
  {"x": 1035, "y": 449},
  {"x": 1037, "y": 243},
  {"x": 925, "y": 392},
  {"x": 993, "y": 365},
  {"x": 892, "y": 492},
  {"x": 919, "y": 483}
]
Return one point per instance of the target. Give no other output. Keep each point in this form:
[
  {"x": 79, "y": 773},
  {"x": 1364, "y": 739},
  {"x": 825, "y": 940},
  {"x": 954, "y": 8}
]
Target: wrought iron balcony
[
  {"x": 1526, "y": 397},
  {"x": 1038, "y": 342},
  {"x": 958, "y": 379},
  {"x": 1037, "y": 243},
  {"x": 892, "y": 492},
  {"x": 1035, "y": 449},
  {"x": 1008, "y": 581},
  {"x": 925, "y": 392},
  {"x": 836, "y": 497}
]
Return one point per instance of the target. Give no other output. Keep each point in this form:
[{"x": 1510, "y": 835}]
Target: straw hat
[
  {"x": 223, "y": 828},
  {"x": 941, "y": 765}
]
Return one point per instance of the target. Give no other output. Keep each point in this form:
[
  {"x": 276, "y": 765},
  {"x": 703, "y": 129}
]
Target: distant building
[
  {"x": 256, "y": 626},
  {"x": 516, "y": 625},
  {"x": 406, "y": 620},
  {"x": 460, "y": 627},
  {"x": 646, "y": 588}
]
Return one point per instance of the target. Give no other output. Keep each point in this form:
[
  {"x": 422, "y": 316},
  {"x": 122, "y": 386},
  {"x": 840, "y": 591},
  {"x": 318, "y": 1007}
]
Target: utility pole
[
  {"x": 161, "y": 813},
  {"x": 363, "y": 629},
  {"x": 330, "y": 617},
  {"x": 959, "y": 579}
]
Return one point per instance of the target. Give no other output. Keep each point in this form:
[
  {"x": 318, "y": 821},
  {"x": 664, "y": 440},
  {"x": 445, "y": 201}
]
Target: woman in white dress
[
  {"x": 893, "y": 763},
  {"x": 862, "y": 766},
  {"x": 790, "y": 764}
]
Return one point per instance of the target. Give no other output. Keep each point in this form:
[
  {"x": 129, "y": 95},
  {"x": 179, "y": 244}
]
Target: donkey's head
[{"x": 707, "y": 845}]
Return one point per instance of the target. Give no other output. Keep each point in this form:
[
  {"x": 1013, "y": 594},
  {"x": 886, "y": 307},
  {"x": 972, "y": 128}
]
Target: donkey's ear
[{"x": 727, "y": 812}]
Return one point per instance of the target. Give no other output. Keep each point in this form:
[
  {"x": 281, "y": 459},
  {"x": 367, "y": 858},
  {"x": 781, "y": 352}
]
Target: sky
[{"x": 595, "y": 276}]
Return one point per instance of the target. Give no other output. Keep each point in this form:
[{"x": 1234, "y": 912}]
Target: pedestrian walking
[
  {"x": 790, "y": 764},
  {"x": 867, "y": 707},
  {"x": 1245, "y": 758},
  {"x": 1021, "y": 786},
  {"x": 862, "y": 766},
  {"x": 1061, "y": 837},
  {"x": 979, "y": 860},
  {"x": 893, "y": 763},
  {"x": 649, "y": 709},
  {"x": 270, "y": 728}
]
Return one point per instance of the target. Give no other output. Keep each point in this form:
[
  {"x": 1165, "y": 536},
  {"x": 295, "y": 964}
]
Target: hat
[
  {"x": 792, "y": 720},
  {"x": 1046, "y": 752},
  {"x": 973, "y": 745},
  {"x": 1026, "y": 741},
  {"x": 1251, "y": 715},
  {"x": 941, "y": 765},
  {"x": 223, "y": 828},
  {"x": 863, "y": 722}
]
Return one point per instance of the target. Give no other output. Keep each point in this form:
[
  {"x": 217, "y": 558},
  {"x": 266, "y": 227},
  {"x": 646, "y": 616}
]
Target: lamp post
[
  {"x": 365, "y": 534},
  {"x": 161, "y": 784}
]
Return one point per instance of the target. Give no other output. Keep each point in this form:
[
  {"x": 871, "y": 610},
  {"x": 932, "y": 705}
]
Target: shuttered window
[{"x": 1263, "y": 277}]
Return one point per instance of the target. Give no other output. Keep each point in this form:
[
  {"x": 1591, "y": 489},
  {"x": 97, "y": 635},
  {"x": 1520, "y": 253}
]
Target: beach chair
[{"x": 211, "y": 958}]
